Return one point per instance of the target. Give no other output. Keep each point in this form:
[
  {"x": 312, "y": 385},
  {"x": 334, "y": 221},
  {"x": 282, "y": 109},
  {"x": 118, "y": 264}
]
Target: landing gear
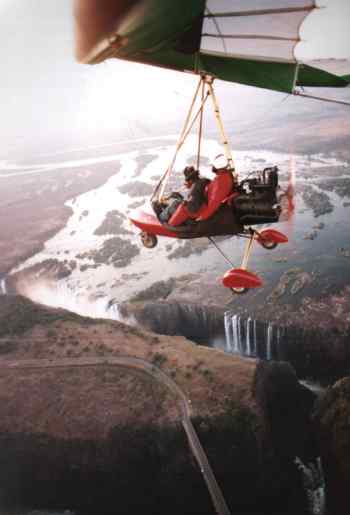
[
  {"x": 269, "y": 245},
  {"x": 270, "y": 238},
  {"x": 240, "y": 280},
  {"x": 148, "y": 240},
  {"x": 239, "y": 291}
]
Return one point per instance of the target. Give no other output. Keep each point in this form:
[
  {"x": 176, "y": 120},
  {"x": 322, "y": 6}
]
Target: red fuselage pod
[
  {"x": 271, "y": 235},
  {"x": 149, "y": 223},
  {"x": 241, "y": 278}
]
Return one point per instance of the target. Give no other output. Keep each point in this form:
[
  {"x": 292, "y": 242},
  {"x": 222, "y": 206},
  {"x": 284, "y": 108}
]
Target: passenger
[
  {"x": 196, "y": 198},
  {"x": 219, "y": 188},
  {"x": 216, "y": 191},
  {"x": 165, "y": 208}
]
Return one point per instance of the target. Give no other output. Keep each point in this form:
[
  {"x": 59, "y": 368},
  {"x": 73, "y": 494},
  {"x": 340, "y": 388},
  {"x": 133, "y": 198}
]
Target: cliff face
[
  {"x": 317, "y": 350},
  {"x": 95, "y": 437},
  {"x": 194, "y": 321},
  {"x": 332, "y": 420}
]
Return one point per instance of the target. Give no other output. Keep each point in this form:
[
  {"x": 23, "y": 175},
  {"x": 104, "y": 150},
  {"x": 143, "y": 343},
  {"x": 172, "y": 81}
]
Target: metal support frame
[
  {"x": 204, "y": 90},
  {"x": 211, "y": 239},
  {"x": 224, "y": 139},
  {"x": 159, "y": 190},
  {"x": 247, "y": 250},
  {"x": 253, "y": 235},
  {"x": 298, "y": 93}
]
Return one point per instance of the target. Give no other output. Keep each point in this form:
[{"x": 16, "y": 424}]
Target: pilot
[
  {"x": 215, "y": 191},
  {"x": 196, "y": 198}
]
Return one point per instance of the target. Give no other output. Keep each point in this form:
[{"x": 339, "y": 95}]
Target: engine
[{"x": 257, "y": 201}]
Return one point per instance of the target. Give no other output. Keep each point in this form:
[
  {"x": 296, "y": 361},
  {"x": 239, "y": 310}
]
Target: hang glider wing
[{"x": 245, "y": 41}]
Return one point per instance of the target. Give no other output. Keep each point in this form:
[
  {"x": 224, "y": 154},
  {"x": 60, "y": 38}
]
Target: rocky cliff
[
  {"x": 332, "y": 420},
  {"x": 96, "y": 438}
]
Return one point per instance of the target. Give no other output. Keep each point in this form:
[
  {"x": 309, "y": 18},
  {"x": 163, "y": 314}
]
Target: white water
[
  {"x": 248, "y": 336},
  {"x": 269, "y": 342},
  {"x": 228, "y": 332},
  {"x": 313, "y": 479},
  {"x": 243, "y": 337},
  {"x": 77, "y": 238},
  {"x": 254, "y": 347},
  {"x": 236, "y": 335},
  {"x": 3, "y": 288}
]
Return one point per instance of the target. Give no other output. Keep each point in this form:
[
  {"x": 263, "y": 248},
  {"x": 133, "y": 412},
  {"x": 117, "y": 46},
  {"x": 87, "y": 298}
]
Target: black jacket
[{"x": 196, "y": 196}]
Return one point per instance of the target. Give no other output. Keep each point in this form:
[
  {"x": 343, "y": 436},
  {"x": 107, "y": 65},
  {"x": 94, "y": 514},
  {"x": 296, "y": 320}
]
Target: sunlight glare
[{"x": 119, "y": 92}]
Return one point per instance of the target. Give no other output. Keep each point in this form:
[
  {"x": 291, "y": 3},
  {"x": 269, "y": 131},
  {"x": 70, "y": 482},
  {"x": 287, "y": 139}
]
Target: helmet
[
  {"x": 219, "y": 163},
  {"x": 190, "y": 173}
]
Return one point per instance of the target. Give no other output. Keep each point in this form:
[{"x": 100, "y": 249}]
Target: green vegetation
[
  {"x": 136, "y": 189},
  {"x": 187, "y": 249},
  {"x": 7, "y": 346},
  {"x": 112, "y": 224},
  {"x": 207, "y": 373},
  {"x": 114, "y": 251},
  {"x": 231, "y": 443},
  {"x": 158, "y": 359},
  {"x": 158, "y": 290}
]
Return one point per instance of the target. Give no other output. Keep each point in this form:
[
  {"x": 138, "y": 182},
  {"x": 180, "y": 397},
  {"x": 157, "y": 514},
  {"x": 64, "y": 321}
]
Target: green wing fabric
[{"x": 253, "y": 44}]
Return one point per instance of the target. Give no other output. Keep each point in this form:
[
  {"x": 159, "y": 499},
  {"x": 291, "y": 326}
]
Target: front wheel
[
  {"x": 269, "y": 245},
  {"x": 148, "y": 240},
  {"x": 239, "y": 291}
]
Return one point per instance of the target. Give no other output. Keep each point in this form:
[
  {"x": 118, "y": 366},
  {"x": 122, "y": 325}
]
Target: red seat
[{"x": 217, "y": 191}]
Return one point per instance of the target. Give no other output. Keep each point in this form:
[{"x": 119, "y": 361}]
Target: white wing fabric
[{"x": 256, "y": 29}]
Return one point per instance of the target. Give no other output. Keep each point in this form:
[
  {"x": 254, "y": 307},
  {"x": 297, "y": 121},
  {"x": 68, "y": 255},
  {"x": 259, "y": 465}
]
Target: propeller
[{"x": 287, "y": 197}]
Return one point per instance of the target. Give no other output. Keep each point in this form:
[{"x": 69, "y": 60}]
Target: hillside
[
  {"x": 210, "y": 377},
  {"x": 72, "y": 421}
]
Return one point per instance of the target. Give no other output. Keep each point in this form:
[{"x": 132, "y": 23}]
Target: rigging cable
[
  {"x": 323, "y": 99},
  {"x": 178, "y": 146},
  {"x": 211, "y": 239},
  {"x": 200, "y": 127}
]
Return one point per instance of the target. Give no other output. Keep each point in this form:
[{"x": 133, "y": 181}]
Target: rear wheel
[
  {"x": 239, "y": 291},
  {"x": 148, "y": 240}
]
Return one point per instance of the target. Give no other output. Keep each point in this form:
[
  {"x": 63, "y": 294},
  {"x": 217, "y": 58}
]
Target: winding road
[{"x": 137, "y": 363}]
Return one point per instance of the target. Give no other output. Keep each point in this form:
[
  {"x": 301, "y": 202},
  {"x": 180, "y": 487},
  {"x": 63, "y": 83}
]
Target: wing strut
[
  {"x": 159, "y": 190},
  {"x": 298, "y": 93},
  {"x": 204, "y": 90}
]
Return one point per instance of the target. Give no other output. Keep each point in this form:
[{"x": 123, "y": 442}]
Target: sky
[{"x": 44, "y": 91}]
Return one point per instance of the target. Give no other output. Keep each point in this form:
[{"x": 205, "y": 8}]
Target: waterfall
[
  {"x": 239, "y": 335},
  {"x": 314, "y": 484},
  {"x": 278, "y": 337},
  {"x": 113, "y": 311},
  {"x": 3, "y": 289},
  {"x": 252, "y": 338},
  {"x": 269, "y": 342},
  {"x": 235, "y": 331},
  {"x": 228, "y": 331},
  {"x": 247, "y": 343}
]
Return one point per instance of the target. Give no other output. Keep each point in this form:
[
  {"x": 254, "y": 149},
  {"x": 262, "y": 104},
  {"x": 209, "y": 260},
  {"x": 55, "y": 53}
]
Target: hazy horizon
[{"x": 47, "y": 94}]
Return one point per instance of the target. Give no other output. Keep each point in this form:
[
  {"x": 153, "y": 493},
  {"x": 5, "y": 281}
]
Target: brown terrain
[
  {"x": 64, "y": 432},
  {"x": 103, "y": 422},
  {"x": 32, "y": 208},
  {"x": 333, "y": 421},
  {"x": 206, "y": 375}
]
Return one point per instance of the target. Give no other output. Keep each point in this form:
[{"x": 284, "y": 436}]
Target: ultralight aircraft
[{"x": 249, "y": 42}]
